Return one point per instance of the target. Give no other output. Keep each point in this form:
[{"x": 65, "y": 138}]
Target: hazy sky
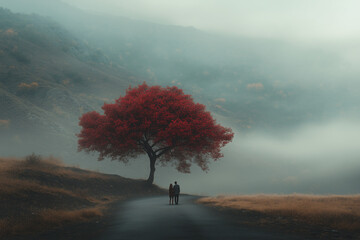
[{"x": 305, "y": 20}]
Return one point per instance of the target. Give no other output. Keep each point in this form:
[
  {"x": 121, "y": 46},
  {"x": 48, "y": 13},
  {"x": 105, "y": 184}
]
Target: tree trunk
[{"x": 152, "y": 171}]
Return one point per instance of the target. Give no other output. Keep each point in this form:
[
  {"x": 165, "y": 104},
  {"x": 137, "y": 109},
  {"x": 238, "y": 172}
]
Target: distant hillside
[
  {"x": 48, "y": 78},
  {"x": 254, "y": 83}
]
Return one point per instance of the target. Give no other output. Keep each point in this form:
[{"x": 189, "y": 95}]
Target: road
[{"x": 153, "y": 218}]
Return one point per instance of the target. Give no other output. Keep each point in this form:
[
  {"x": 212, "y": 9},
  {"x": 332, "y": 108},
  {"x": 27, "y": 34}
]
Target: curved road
[{"x": 152, "y": 218}]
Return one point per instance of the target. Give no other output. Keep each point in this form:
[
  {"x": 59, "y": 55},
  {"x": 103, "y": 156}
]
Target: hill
[
  {"x": 48, "y": 79},
  {"x": 44, "y": 194},
  {"x": 255, "y": 83}
]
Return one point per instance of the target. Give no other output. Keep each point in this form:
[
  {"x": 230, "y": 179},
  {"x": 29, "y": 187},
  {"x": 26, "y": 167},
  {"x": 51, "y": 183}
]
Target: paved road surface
[{"x": 153, "y": 219}]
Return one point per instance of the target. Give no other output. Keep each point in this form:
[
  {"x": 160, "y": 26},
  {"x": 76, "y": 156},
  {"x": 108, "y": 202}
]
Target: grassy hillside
[{"x": 40, "y": 194}]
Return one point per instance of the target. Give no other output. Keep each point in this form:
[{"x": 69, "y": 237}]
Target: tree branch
[
  {"x": 164, "y": 151},
  {"x": 164, "y": 148},
  {"x": 147, "y": 148},
  {"x": 153, "y": 145}
]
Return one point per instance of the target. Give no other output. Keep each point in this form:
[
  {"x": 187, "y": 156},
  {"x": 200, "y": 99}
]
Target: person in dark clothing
[
  {"x": 176, "y": 192},
  {"x": 171, "y": 194}
]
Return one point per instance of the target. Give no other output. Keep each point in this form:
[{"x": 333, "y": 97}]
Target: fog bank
[
  {"x": 320, "y": 158},
  {"x": 305, "y": 20}
]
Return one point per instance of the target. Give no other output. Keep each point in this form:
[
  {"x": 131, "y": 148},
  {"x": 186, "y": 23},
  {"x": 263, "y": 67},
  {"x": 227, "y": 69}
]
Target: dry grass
[
  {"x": 58, "y": 217},
  {"x": 25, "y": 191},
  {"x": 48, "y": 219},
  {"x": 11, "y": 183},
  {"x": 49, "y": 165},
  {"x": 38, "y": 194},
  {"x": 9, "y": 186},
  {"x": 340, "y": 212}
]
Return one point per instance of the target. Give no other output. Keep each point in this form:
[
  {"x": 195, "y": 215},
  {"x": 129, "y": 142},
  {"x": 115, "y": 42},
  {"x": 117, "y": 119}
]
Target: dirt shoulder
[
  {"x": 310, "y": 216},
  {"x": 42, "y": 196}
]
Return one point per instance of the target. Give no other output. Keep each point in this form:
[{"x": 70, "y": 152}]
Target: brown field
[
  {"x": 332, "y": 212},
  {"x": 39, "y": 194}
]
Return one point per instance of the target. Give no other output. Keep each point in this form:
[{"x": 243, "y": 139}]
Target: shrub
[{"x": 33, "y": 159}]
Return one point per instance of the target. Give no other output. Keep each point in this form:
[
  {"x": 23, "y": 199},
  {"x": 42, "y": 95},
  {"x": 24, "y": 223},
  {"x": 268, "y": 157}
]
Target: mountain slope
[
  {"x": 48, "y": 79},
  {"x": 256, "y": 83}
]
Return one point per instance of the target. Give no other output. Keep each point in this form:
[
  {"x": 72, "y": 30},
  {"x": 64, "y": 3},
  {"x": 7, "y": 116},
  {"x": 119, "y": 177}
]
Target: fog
[
  {"x": 283, "y": 74},
  {"x": 313, "y": 159},
  {"x": 307, "y": 20}
]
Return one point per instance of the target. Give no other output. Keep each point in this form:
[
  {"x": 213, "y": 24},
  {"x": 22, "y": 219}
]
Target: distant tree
[{"x": 163, "y": 123}]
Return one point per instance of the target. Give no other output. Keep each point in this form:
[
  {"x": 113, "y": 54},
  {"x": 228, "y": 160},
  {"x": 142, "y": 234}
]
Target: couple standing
[{"x": 174, "y": 192}]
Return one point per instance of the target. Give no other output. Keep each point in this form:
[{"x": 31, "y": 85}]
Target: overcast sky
[{"x": 305, "y": 20}]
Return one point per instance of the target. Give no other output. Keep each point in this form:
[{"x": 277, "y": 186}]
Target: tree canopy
[{"x": 162, "y": 122}]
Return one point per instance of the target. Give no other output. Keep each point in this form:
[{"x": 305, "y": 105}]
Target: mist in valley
[{"x": 284, "y": 76}]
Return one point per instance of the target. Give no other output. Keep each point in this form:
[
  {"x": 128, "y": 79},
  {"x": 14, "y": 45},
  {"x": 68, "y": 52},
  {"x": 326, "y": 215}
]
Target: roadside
[
  {"x": 310, "y": 216},
  {"x": 39, "y": 196}
]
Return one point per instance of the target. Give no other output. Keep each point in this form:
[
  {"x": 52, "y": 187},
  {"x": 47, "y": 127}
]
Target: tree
[{"x": 163, "y": 123}]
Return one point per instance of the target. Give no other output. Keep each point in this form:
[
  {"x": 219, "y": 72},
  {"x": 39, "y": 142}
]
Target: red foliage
[{"x": 165, "y": 123}]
